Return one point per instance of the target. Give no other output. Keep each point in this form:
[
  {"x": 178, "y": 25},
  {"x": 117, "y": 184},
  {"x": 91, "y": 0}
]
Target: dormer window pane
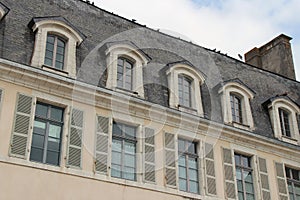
[
  {"x": 55, "y": 52},
  {"x": 236, "y": 108},
  {"x": 184, "y": 91},
  {"x": 124, "y": 74},
  {"x": 284, "y": 123}
]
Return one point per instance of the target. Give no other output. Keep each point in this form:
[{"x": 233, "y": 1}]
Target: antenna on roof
[{"x": 240, "y": 56}]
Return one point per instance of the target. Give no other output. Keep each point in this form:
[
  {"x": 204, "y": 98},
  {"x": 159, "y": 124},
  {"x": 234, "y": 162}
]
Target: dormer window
[
  {"x": 55, "y": 45},
  {"x": 283, "y": 113},
  {"x": 184, "y": 86},
  {"x": 236, "y": 107},
  {"x": 55, "y": 52},
  {"x": 124, "y": 74}
]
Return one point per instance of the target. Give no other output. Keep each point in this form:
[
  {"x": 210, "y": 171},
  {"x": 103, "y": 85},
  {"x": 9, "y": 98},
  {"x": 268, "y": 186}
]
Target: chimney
[{"x": 275, "y": 56}]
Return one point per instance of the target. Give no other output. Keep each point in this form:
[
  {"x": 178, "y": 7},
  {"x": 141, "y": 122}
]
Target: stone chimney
[{"x": 275, "y": 56}]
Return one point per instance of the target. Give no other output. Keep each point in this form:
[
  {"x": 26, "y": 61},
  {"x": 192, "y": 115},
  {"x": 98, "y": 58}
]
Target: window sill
[
  {"x": 241, "y": 126},
  {"x": 54, "y": 70},
  {"x": 187, "y": 109},
  {"x": 289, "y": 140},
  {"x": 127, "y": 92}
]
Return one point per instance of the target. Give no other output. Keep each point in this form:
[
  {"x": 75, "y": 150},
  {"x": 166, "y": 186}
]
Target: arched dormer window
[
  {"x": 236, "y": 108},
  {"x": 283, "y": 113},
  {"x": 184, "y": 85},
  {"x": 55, "y": 45},
  {"x": 124, "y": 67}
]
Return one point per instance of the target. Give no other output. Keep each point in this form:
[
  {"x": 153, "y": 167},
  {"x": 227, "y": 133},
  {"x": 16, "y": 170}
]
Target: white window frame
[
  {"x": 61, "y": 29},
  {"x": 138, "y": 61},
  {"x": 197, "y": 80},
  {"x": 293, "y": 110},
  {"x": 245, "y": 96}
]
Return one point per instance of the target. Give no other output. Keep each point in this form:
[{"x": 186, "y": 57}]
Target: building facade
[{"x": 96, "y": 106}]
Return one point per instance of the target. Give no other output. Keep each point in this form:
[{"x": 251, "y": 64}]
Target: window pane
[
  {"x": 238, "y": 174},
  {"x": 129, "y": 160},
  {"x": 54, "y": 131},
  {"x": 56, "y": 114},
  {"x": 38, "y": 141},
  {"x": 182, "y": 184},
  {"x": 116, "y": 171},
  {"x": 193, "y": 175},
  {"x": 297, "y": 189},
  {"x": 194, "y": 187},
  {"x": 49, "y": 54},
  {"x": 192, "y": 148},
  {"x": 247, "y": 176},
  {"x": 129, "y": 148},
  {"x": 36, "y": 154},
  {"x": 240, "y": 186},
  {"x": 50, "y": 39},
  {"x": 250, "y": 196},
  {"x": 59, "y": 57},
  {"x": 182, "y": 172},
  {"x": 39, "y": 127},
  {"x": 48, "y": 62},
  {"x": 129, "y": 173},
  {"x": 130, "y": 131},
  {"x": 181, "y": 146},
  {"x": 181, "y": 161},
  {"x": 60, "y": 43},
  {"x": 52, "y": 158},
  {"x": 245, "y": 161},
  {"x": 116, "y": 145},
  {"x": 249, "y": 188},
  {"x": 193, "y": 163},
  {"x": 49, "y": 47},
  {"x": 53, "y": 144},
  {"x": 116, "y": 158},
  {"x": 59, "y": 65},
  {"x": 60, "y": 50},
  {"x": 241, "y": 196},
  {"x": 237, "y": 159},
  {"x": 41, "y": 110},
  {"x": 117, "y": 129}
]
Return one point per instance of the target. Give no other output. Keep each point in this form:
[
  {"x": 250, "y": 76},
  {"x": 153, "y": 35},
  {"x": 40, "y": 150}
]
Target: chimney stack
[{"x": 275, "y": 56}]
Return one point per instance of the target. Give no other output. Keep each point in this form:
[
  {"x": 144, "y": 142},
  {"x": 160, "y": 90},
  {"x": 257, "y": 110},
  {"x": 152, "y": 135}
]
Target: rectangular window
[
  {"x": 293, "y": 181},
  {"x": 236, "y": 108},
  {"x": 244, "y": 177},
  {"x": 55, "y": 52},
  {"x": 124, "y": 74},
  {"x": 123, "y": 162},
  {"x": 188, "y": 166},
  {"x": 47, "y": 132},
  {"x": 184, "y": 91},
  {"x": 284, "y": 122}
]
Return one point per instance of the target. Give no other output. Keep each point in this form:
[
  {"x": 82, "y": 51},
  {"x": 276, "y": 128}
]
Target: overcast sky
[{"x": 231, "y": 26}]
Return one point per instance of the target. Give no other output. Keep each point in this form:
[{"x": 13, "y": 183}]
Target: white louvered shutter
[
  {"x": 169, "y": 159},
  {"x": 264, "y": 179},
  {"x": 229, "y": 174},
  {"x": 75, "y": 139},
  {"x": 149, "y": 155},
  {"x": 21, "y": 127},
  {"x": 210, "y": 174},
  {"x": 101, "y": 148},
  {"x": 281, "y": 181}
]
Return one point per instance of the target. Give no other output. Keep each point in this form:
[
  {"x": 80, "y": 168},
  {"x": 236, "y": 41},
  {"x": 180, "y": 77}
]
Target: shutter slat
[
  {"x": 210, "y": 169},
  {"x": 229, "y": 174},
  {"x": 281, "y": 181},
  {"x": 149, "y": 155},
  {"x": 169, "y": 157},
  {"x": 264, "y": 180},
  {"x": 21, "y": 129},
  {"x": 75, "y": 139},
  {"x": 101, "y": 148}
]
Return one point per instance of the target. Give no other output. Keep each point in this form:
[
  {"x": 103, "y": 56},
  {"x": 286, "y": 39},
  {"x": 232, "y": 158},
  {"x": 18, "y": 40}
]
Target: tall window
[
  {"x": 124, "y": 73},
  {"x": 55, "y": 52},
  {"x": 244, "y": 177},
  {"x": 188, "y": 167},
  {"x": 293, "y": 181},
  {"x": 123, "y": 162},
  {"x": 184, "y": 91},
  {"x": 47, "y": 131},
  {"x": 236, "y": 108},
  {"x": 284, "y": 122}
]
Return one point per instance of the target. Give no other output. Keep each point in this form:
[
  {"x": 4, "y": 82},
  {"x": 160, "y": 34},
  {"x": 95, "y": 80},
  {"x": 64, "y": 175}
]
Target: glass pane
[
  {"x": 116, "y": 145},
  {"x": 48, "y": 62},
  {"x": 292, "y": 197},
  {"x": 193, "y": 175},
  {"x": 39, "y": 127},
  {"x": 60, "y": 50},
  {"x": 129, "y": 148},
  {"x": 60, "y": 43},
  {"x": 182, "y": 172},
  {"x": 52, "y": 158},
  {"x": 130, "y": 131},
  {"x": 129, "y": 173},
  {"x": 240, "y": 186},
  {"x": 247, "y": 176},
  {"x": 50, "y": 39},
  {"x": 245, "y": 161},
  {"x": 128, "y": 65},
  {"x": 36, "y": 154},
  {"x": 192, "y": 148},
  {"x": 117, "y": 129},
  {"x": 241, "y": 196},
  {"x": 129, "y": 160},
  {"x": 59, "y": 57},
  {"x": 54, "y": 131},
  {"x": 295, "y": 174},
  {"x": 41, "y": 110},
  {"x": 59, "y": 65},
  {"x": 237, "y": 159},
  {"x": 238, "y": 174},
  {"x": 249, "y": 188},
  {"x": 250, "y": 196},
  {"x": 193, "y": 163},
  {"x": 116, "y": 171},
  {"x": 49, "y": 47},
  {"x": 49, "y": 54},
  {"x": 181, "y": 146},
  {"x": 53, "y": 144},
  {"x": 297, "y": 189},
  {"x": 182, "y": 184},
  {"x": 120, "y": 61},
  {"x": 56, "y": 114},
  {"x": 194, "y": 187},
  {"x": 38, "y": 141},
  {"x": 116, "y": 158},
  {"x": 181, "y": 161}
]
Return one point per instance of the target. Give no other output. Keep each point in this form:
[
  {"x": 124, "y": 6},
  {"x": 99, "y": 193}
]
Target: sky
[{"x": 231, "y": 26}]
